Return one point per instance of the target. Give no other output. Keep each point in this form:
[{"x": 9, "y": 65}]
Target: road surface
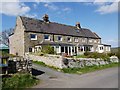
[{"x": 107, "y": 78}]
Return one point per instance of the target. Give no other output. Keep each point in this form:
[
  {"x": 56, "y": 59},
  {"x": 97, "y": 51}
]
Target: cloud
[
  {"x": 51, "y": 6},
  {"x": 9, "y": 0},
  {"x": 34, "y": 6},
  {"x": 38, "y": 1},
  {"x": 105, "y": 6},
  {"x": 31, "y": 15},
  {"x": 108, "y": 8},
  {"x": 67, "y": 9},
  {"x": 13, "y": 8}
]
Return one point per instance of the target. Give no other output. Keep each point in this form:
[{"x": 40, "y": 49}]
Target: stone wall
[
  {"x": 61, "y": 62},
  {"x": 50, "y": 60},
  {"x": 82, "y": 62},
  {"x": 18, "y": 64}
]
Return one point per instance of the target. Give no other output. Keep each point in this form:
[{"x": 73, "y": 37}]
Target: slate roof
[
  {"x": 105, "y": 44},
  {"x": 96, "y": 34},
  {"x": 35, "y": 25}
]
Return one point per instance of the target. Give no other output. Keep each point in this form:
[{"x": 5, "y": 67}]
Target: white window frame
[
  {"x": 101, "y": 48},
  {"x": 48, "y": 37},
  {"x": 61, "y": 38},
  {"x": 83, "y": 39},
  {"x": 95, "y": 41},
  {"x": 90, "y": 40},
  {"x": 69, "y": 40},
  {"x": 33, "y": 38},
  {"x": 76, "y": 39}
]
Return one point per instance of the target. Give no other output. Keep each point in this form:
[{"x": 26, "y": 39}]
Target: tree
[{"x": 4, "y": 36}]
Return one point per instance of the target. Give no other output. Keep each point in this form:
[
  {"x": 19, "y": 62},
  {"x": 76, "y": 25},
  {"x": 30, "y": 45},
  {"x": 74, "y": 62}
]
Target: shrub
[
  {"x": 118, "y": 54},
  {"x": 87, "y": 53},
  {"x": 19, "y": 81},
  {"x": 96, "y": 55},
  {"x": 48, "y": 49},
  {"x": 111, "y": 54}
]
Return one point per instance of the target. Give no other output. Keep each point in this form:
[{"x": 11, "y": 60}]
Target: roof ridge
[
  {"x": 50, "y": 21},
  {"x": 36, "y": 25}
]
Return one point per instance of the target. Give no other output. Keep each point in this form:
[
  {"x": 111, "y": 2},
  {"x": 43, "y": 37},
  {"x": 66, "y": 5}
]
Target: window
[
  {"x": 95, "y": 41},
  {"x": 69, "y": 39},
  {"x": 46, "y": 37},
  {"x": 30, "y": 49},
  {"x": 76, "y": 39},
  {"x": 83, "y": 40},
  {"x": 101, "y": 48},
  {"x": 59, "y": 38},
  {"x": 33, "y": 36},
  {"x": 90, "y": 40}
]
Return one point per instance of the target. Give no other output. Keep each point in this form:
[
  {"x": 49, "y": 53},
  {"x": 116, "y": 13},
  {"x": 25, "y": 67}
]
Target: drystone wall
[
  {"x": 82, "y": 62},
  {"x": 50, "y": 60},
  {"x": 18, "y": 64},
  {"x": 63, "y": 62}
]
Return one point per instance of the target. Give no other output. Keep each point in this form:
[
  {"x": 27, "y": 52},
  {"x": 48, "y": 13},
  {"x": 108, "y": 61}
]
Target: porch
[
  {"x": 81, "y": 49},
  {"x": 59, "y": 48}
]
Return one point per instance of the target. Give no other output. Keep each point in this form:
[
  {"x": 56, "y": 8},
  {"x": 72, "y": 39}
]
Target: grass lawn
[{"x": 18, "y": 82}]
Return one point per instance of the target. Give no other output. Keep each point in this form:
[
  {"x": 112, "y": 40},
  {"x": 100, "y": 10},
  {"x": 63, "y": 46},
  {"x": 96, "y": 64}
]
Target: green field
[{"x": 115, "y": 50}]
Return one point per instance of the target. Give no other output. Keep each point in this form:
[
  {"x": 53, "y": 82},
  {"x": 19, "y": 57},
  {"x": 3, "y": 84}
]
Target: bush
[
  {"x": 111, "y": 54},
  {"x": 3, "y": 53},
  {"x": 87, "y": 53},
  {"x": 118, "y": 54},
  {"x": 48, "y": 50},
  {"x": 19, "y": 81},
  {"x": 96, "y": 55},
  {"x": 6, "y": 54}
]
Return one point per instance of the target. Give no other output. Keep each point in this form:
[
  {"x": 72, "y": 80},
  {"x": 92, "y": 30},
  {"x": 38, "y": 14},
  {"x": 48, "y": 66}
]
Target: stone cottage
[{"x": 31, "y": 34}]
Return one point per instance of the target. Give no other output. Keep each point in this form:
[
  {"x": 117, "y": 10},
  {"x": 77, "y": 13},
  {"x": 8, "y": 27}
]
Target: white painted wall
[{"x": 100, "y": 50}]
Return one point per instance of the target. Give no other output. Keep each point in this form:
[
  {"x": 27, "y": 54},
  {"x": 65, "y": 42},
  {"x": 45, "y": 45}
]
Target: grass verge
[
  {"x": 79, "y": 70},
  {"x": 88, "y": 69},
  {"x": 43, "y": 64},
  {"x": 18, "y": 82}
]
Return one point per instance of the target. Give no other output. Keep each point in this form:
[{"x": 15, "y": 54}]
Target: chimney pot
[
  {"x": 46, "y": 18},
  {"x": 78, "y": 25}
]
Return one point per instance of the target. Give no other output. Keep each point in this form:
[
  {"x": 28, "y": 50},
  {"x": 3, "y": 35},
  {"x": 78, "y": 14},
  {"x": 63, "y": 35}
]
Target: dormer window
[
  {"x": 33, "y": 36},
  {"x": 47, "y": 37},
  {"x": 59, "y": 38},
  {"x": 69, "y": 39}
]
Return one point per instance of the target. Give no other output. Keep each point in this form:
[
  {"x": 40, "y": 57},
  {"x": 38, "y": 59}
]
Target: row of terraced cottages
[{"x": 30, "y": 35}]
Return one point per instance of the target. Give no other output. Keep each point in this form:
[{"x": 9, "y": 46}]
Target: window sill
[{"x": 33, "y": 39}]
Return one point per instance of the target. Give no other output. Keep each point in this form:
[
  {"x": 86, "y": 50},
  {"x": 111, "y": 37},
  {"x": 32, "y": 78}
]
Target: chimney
[
  {"x": 46, "y": 18},
  {"x": 78, "y": 25}
]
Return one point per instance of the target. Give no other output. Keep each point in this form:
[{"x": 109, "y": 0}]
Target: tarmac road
[{"x": 107, "y": 78}]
